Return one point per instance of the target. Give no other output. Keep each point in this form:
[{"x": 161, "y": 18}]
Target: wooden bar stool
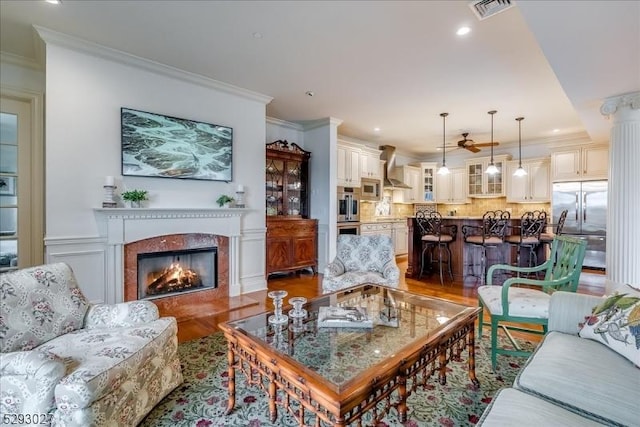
[
  {"x": 491, "y": 235},
  {"x": 435, "y": 235}
]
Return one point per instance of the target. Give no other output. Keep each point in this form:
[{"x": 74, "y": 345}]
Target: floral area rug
[{"x": 201, "y": 401}]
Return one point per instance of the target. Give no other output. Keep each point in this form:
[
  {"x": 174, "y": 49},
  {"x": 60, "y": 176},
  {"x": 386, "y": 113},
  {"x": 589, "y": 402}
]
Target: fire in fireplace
[{"x": 162, "y": 273}]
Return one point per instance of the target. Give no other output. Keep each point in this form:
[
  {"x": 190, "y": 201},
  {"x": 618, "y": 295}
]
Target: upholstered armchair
[
  {"x": 81, "y": 364},
  {"x": 361, "y": 259}
]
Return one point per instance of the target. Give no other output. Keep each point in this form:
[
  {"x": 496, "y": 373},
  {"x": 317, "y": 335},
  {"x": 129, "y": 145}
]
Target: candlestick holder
[
  {"x": 277, "y": 317},
  {"x": 297, "y": 310},
  {"x": 108, "y": 197},
  {"x": 239, "y": 199}
]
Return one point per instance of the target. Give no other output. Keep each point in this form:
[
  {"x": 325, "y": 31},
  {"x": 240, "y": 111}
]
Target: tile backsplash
[{"x": 476, "y": 208}]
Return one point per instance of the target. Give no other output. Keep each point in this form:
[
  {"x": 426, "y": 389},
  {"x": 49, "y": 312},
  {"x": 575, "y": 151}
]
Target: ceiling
[{"x": 395, "y": 65}]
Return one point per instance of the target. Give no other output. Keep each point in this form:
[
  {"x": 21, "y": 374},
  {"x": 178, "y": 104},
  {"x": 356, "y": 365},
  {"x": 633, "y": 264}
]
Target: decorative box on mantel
[{"x": 123, "y": 226}]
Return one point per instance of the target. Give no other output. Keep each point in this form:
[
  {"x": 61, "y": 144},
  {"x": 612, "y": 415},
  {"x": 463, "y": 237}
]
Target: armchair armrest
[
  {"x": 28, "y": 380},
  {"x": 545, "y": 265},
  {"x": 120, "y": 315},
  {"x": 334, "y": 268},
  {"x": 567, "y": 310},
  {"x": 391, "y": 271}
]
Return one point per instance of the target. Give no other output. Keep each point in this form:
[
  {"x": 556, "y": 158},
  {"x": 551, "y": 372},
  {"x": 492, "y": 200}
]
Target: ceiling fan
[{"x": 469, "y": 144}]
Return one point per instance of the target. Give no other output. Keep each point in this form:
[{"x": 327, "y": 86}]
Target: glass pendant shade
[
  {"x": 443, "y": 169},
  {"x": 520, "y": 171},
  {"x": 492, "y": 169}
]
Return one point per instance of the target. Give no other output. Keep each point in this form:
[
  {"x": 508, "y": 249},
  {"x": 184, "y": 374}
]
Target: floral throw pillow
[{"x": 616, "y": 323}]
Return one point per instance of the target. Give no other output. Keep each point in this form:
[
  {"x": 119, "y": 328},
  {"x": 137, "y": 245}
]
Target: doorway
[{"x": 21, "y": 181}]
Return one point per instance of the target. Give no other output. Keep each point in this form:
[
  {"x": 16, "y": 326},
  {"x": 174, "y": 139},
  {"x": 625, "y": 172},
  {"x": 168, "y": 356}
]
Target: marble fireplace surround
[{"x": 132, "y": 228}]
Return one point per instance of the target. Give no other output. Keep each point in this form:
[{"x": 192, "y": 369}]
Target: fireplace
[{"x": 180, "y": 271}]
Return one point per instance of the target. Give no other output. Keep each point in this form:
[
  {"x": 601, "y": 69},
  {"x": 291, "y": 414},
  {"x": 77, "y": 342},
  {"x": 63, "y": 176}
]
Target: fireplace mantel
[{"x": 119, "y": 226}]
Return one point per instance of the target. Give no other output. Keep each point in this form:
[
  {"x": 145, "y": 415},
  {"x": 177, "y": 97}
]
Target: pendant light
[
  {"x": 443, "y": 169},
  {"x": 492, "y": 169},
  {"x": 520, "y": 171}
]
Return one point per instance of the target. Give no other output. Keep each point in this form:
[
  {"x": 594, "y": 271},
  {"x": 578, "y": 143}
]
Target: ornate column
[{"x": 623, "y": 221}]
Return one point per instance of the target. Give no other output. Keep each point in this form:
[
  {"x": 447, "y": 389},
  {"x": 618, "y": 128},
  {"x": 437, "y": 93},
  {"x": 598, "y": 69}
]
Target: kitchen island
[{"x": 464, "y": 255}]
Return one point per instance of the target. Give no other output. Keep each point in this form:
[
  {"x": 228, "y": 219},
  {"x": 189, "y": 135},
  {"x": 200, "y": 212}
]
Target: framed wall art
[{"x": 155, "y": 145}]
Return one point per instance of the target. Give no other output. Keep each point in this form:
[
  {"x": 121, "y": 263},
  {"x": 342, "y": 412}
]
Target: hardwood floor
[{"x": 309, "y": 286}]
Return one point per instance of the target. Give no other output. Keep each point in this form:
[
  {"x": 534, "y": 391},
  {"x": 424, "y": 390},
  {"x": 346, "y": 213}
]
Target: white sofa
[
  {"x": 77, "y": 364},
  {"x": 569, "y": 380}
]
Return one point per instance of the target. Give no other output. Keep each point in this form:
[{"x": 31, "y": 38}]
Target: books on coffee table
[{"x": 344, "y": 317}]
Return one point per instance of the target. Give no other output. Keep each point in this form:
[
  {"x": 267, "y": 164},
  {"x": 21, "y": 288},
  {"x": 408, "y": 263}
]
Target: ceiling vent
[{"x": 486, "y": 8}]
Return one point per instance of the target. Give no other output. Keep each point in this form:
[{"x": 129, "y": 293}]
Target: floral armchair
[
  {"x": 361, "y": 259},
  {"x": 78, "y": 364}
]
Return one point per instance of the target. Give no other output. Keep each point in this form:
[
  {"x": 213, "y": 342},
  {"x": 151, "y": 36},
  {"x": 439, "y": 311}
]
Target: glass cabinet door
[
  {"x": 294, "y": 187},
  {"x": 275, "y": 186},
  {"x": 475, "y": 179}
]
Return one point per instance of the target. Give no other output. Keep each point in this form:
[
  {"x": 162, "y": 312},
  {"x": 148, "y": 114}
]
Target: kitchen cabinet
[
  {"x": 481, "y": 184},
  {"x": 292, "y": 244},
  {"x": 452, "y": 188},
  {"x": 396, "y": 230},
  {"x": 428, "y": 181},
  {"x": 532, "y": 188},
  {"x": 287, "y": 180},
  {"x": 348, "y": 164},
  {"x": 411, "y": 176},
  {"x": 370, "y": 163},
  {"x": 400, "y": 236},
  {"x": 580, "y": 164}
]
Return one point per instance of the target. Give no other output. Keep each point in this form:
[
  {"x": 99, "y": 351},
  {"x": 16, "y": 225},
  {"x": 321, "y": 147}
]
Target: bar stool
[
  {"x": 531, "y": 225},
  {"x": 491, "y": 235},
  {"x": 434, "y": 237},
  {"x": 547, "y": 238}
]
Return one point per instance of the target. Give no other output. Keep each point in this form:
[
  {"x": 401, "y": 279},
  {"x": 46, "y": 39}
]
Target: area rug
[{"x": 201, "y": 401}]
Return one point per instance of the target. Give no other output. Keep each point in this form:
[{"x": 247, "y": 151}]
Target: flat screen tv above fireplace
[{"x": 155, "y": 145}]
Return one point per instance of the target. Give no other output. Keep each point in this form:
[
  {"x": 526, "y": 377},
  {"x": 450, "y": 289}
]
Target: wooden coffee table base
[{"x": 270, "y": 373}]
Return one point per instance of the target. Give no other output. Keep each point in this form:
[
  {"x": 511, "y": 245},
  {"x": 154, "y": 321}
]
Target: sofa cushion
[
  {"x": 38, "y": 304},
  {"x": 585, "y": 377},
  {"x": 100, "y": 360},
  {"x": 365, "y": 253},
  {"x": 353, "y": 278},
  {"x": 511, "y": 407},
  {"x": 616, "y": 323}
]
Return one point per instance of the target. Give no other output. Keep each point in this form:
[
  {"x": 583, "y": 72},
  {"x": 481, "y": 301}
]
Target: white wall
[
  {"x": 280, "y": 129},
  {"x": 86, "y": 87}
]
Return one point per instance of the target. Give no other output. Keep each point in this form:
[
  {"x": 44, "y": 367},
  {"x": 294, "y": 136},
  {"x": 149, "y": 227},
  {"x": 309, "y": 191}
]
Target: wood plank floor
[{"x": 309, "y": 286}]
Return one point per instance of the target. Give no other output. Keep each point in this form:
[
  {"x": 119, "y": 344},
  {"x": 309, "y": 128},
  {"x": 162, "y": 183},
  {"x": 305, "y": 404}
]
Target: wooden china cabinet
[{"x": 292, "y": 237}]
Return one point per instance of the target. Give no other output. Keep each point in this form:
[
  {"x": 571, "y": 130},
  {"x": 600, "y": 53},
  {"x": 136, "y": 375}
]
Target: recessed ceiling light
[
  {"x": 463, "y": 30},
  {"x": 54, "y": 1},
  {"x": 556, "y": 130},
  {"x": 376, "y": 129},
  {"x": 257, "y": 35}
]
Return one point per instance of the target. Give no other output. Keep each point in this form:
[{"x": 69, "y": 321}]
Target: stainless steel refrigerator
[{"x": 587, "y": 217}]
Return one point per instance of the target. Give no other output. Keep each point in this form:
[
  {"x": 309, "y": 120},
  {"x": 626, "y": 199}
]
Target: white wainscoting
[
  {"x": 323, "y": 247},
  {"x": 88, "y": 257}
]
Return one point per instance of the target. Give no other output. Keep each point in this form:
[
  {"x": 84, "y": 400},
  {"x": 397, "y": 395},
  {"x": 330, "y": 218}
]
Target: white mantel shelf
[{"x": 119, "y": 226}]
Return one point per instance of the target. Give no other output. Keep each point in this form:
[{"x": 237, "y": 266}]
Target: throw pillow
[{"x": 616, "y": 323}]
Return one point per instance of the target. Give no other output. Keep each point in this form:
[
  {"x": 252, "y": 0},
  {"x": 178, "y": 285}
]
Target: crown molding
[
  {"x": 314, "y": 124},
  {"x": 284, "y": 123},
  {"x": 94, "y": 49},
  {"x": 21, "y": 61}
]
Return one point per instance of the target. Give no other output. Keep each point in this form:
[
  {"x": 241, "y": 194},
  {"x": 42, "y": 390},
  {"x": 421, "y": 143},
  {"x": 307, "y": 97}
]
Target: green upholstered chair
[{"x": 526, "y": 301}]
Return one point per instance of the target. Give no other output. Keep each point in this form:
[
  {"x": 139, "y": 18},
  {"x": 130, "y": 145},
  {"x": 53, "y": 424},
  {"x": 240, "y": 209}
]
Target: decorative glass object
[
  {"x": 277, "y": 317},
  {"x": 297, "y": 303}
]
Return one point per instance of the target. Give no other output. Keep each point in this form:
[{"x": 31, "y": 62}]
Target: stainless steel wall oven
[{"x": 348, "y": 204}]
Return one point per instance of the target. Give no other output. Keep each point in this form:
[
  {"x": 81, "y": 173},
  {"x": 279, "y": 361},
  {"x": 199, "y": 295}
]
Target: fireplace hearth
[{"x": 178, "y": 271}]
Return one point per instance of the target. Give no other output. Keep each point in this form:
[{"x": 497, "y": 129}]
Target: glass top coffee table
[{"x": 340, "y": 373}]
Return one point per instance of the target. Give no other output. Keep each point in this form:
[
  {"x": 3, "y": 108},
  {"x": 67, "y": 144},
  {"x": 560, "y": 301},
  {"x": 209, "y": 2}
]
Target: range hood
[{"x": 389, "y": 154}]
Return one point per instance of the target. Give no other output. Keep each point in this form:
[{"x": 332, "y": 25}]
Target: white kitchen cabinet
[
  {"x": 452, "y": 188},
  {"x": 411, "y": 176},
  {"x": 370, "y": 163},
  {"x": 428, "y": 181},
  {"x": 535, "y": 187},
  {"x": 384, "y": 228},
  {"x": 401, "y": 238},
  {"x": 348, "y": 165},
  {"x": 481, "y": 184},
  {"x": 580, "y": 163}
]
